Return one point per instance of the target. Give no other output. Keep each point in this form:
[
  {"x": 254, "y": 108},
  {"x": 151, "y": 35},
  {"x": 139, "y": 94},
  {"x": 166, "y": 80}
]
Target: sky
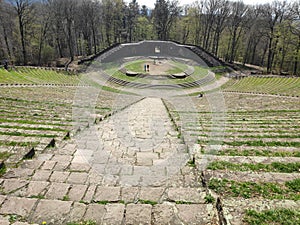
[{"x": 150, "y": 3}]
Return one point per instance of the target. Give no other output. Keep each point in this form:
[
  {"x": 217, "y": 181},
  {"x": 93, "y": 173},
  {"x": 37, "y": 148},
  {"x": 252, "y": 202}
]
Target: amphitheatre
[{"x": 191, "y": 141}]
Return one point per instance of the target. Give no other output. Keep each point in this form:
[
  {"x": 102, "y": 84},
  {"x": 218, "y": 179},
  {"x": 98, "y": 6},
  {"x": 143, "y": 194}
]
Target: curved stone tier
[
  {"x": 131, "y": 73},
  {"x": 179, "y": 75},
  {"x": 196, "y": 83}
]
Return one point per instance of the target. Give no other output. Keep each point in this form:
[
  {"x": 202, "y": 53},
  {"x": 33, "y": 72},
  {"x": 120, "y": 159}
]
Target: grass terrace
[
  {"x": 23, "y": 75},
  {"x": 30, "y": 117},
  {"x": 269, "y": 85},
  {"x": 258, "y": 161}
]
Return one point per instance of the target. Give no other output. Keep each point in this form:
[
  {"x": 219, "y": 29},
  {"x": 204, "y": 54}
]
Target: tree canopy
[{"x": 41, "y": 32}]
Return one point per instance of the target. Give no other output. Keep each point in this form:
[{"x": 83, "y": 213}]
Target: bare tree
[
  {"x": 6, "y": 24},
  {"x": 221, "y": 15},
  {"x": 23, "y": 9},
  {"x": 273, "y": 13},
  {"x": 195, "y": 16},
  {"x": 210, "y": 9},
  {"x": 43, "y": 14},
  {"x": 236, "y": 26}
]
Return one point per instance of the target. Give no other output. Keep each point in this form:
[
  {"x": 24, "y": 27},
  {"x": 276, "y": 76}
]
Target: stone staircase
[{"x": 97, "y": 177}]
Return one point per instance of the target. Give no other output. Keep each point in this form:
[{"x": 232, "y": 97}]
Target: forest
[{"x": 43, "y": 32}]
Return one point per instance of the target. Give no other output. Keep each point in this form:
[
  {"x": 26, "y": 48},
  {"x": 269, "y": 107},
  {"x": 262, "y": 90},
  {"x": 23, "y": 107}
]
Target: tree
[
  {"x": 23, "y": 9},
  {"x": 165, "y": 13},
  {"x": 195, "y": 16},
  {"x": 295, "y": 30},
  {"x": 56, "y": 15},
  {"x": 44, "y": 24},
  {"x": 221, "y": 15},
  {"x": 273, "y": 13},
  {"x": 236, "y": 26},
  {"x": 133, "y": 12},
  {"x": 6, "y": 26},
  {"x": 210, "y": 9}
]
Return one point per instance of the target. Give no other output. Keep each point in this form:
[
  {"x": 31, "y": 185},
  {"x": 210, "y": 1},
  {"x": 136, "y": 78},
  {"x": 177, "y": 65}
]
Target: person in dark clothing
[
  {"x": 6, "y": 64},
  {"x": 200, "y": 95}
]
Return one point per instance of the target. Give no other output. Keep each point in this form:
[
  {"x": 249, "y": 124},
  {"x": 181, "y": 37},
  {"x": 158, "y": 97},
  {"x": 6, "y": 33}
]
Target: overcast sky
[{"x": 150, "y": 3}]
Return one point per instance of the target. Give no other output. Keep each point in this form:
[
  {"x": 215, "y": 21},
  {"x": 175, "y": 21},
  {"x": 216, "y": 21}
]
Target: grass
[
  {"x": 191, "y": 163},
  {"x": 209, "y": 199},
  {"x": 4, "y": 155},
  {"x": 177, "y": 68},
  {"x": 3, "y": 170},
  {"x": 198, "y": 74},
  {"x": 103, "y": 202},
  {"x": 66, "y": 198},
  {"x": 18, "y": 134},
  {"x": 263, "y": 143},
  {"x": 293, "y": 185},
  {"x": 38, "y": 196},
  {"x": 136, "y": 66},
  {"x": 30, "y": 122},
  {"x": 114, "y": 90},
  {"x": 272, "y": 167},
  {"x": 21, "y": 144},
  {"x": 36, "y": 76},
  {"x": 257, "y": 152},
  {"x": 275, "y": 85},
  {"x": 288, "y": 190},
  {"x": 149, "y": 202},
  {"x": 275, "y": 216},
  {"x": 13, "y": 218}
]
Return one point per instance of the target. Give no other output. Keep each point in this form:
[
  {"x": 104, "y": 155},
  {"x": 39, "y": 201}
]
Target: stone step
[
  {"x": 247, "y": 159},
  {"x": 234, "y": 209},
  {"x": 61, "y": 187},
  {"x": 250, "y": 176},
  {"x": 61, "y": 212}
]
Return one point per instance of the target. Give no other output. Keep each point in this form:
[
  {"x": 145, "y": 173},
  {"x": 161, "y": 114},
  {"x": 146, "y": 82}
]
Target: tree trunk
[
  {"x": 22, "y": 33},
  {"x": 94, "y": 39},
  {"x": 42, "y": 38},
  {"x": 270, "y": 54},
  {"x": 254, "y": 52},
  {"x": 264, "y": 56},
  {"x": 233, "y": 44},
  {"x": 70, "y": 42},
  {"x": 6, "y": 41},
  {"x": 247, "y": 52}
]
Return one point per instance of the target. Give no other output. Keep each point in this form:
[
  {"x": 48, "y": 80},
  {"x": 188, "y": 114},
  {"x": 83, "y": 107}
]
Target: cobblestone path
[{"x": 131, "y": 168}]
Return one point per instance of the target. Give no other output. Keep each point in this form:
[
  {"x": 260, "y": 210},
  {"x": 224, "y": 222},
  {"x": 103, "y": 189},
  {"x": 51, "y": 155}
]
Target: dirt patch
[{"x": 159, "y": 67}]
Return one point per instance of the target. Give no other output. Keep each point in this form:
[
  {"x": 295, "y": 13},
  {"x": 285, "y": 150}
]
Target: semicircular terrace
[{"x": 157, "y": 50}]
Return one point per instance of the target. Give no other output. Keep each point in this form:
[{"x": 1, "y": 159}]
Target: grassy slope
[
  {"x": 276, "y": 85},
  {"x": 36, "y": 76}
]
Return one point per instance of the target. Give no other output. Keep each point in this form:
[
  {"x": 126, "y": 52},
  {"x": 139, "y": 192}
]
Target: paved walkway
[{"x": 129, "y": 169}]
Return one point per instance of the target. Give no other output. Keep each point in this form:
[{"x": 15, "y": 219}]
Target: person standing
[{"x": 6, "y": 64}]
